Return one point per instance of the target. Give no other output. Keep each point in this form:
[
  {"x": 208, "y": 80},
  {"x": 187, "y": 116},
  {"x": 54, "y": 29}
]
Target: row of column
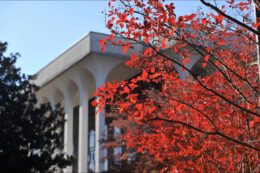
[
  {"x": 83, "y": 128},
  {"x": 80, "y": 80},
  {"x": 100, "y": 152}
]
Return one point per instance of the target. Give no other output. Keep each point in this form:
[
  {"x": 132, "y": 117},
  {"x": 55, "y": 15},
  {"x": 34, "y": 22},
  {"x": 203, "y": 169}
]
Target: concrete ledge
[{"x": 77, "y": 52}]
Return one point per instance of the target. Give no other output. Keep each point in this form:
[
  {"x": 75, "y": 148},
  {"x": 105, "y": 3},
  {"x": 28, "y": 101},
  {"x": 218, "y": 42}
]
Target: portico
[{"x": 71, "y": 80}]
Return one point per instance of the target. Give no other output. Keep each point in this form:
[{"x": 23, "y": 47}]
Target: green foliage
[{"x": 31, "y": 133}]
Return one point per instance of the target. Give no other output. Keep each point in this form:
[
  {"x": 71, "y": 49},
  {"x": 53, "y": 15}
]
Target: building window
[
  {"x": 75, "y": 138},
  {"x": 91, "y": 136}
]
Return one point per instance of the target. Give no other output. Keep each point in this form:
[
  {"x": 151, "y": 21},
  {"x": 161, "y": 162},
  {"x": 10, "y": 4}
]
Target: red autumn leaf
[
  {"x": 208, "y": 49},
  {"x": 192, "y": 16},
  {"x": 163, "y": 43},
  {"x": 204, "y": 21},
  {"x": 102, "y": 44},
  {"x": 206, "y": 58},
  {"x": 139, "y": 106},
  {"x": 131, "y": 11},
  {"x": 179, "y": 108},
  {"x": 219, "y": 19},
  {"x": 144, "y": 74},
  {"x": 112, "y": 36},
  {"x": 204, "y": 65},
  {"x": 221, "y": 42},
  {"x": 256, "y": 25},
  {"x": 155, "y": 75},
  {"x": 148, "y": 52},
  {"x": 151, "y": 110},
  {"x": 153, "y": 69},
  {"x": 146, "y": 40},
  {"x": 126, "y": 47},
  {"x": 109, "y": 24},
  {"x": 186, "y": 60},
  {"x": 94, "y": 103},
  {"x": 126, "y": 89},
  {"x": 123, "y": 107},
  {"x": 132, "y": 20}
]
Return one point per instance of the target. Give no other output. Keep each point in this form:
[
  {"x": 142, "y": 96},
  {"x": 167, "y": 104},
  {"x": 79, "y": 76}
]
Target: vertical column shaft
[
  {"x": 68, "y": 129},
  {"x": 99, "y": 151},
  {"x": 83, "y": 132}
]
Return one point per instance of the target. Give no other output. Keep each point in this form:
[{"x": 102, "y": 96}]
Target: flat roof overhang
[{"x": 80, "y": 50}]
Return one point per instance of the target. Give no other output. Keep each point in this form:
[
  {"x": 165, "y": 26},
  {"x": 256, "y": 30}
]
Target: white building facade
[{"x": 71, "y": 79}]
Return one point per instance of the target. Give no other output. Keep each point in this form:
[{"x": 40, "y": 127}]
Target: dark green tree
[{"x": 30, "y": 133}]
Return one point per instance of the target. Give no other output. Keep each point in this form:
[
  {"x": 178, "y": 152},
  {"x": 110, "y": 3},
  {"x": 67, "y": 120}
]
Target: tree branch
[
  {"x": 229, "y": 17},
  {"x": 216, "y": 133}
]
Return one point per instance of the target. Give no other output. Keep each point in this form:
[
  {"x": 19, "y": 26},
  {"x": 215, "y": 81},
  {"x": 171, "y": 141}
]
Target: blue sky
[{"x": 41, "y": 30}]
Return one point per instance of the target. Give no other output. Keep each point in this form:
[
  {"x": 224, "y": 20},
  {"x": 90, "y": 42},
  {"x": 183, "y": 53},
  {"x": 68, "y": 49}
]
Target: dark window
[
  {"x": 110, "y": 138},
  {"x": 75, "y": 138},
  {"x": 91, "y": 136}
]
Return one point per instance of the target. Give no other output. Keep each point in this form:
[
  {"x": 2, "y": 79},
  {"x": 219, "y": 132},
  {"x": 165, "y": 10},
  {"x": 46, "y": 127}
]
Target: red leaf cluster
[{"x": 207, "y": 122}]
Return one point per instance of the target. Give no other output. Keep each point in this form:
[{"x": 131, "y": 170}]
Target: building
[{"x": 71, "y": 79}]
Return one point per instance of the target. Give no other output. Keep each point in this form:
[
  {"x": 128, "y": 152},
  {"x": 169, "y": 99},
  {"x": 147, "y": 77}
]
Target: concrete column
[
  {"x": 79, "y": 77},
  {"x": 68, "y": 128},
  {"x": 83, "y": 131},
  {"x": 54, "y": 98},
  {"x": 100, "y": 134},
  {"x": 68, "y": 117}
]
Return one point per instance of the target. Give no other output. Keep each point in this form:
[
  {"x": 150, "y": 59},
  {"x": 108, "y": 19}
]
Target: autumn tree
[
  {"x": 194, "y": 106},
  {"x": 31, "y": 133}
]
